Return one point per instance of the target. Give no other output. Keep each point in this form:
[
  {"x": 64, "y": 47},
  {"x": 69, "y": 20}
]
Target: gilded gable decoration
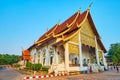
[
  {"x": 75, "y": 38},
  {"x": 73, "y": 49}
]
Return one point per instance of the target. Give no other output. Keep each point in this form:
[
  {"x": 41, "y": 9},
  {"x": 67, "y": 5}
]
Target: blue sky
[{"x": 23, "y": 21}]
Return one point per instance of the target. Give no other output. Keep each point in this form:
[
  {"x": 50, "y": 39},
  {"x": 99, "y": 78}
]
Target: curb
[{"x": 44, "y": 76}]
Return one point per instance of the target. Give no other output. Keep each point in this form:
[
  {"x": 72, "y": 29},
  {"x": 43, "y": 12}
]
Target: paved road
[
  {"x": 108, "y": 75},
  {"x": 10, "y": 74}
]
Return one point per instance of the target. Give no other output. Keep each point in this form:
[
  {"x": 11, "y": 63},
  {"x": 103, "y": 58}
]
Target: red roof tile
[
  {"x": 48, "y": 32},
  {"x": 63, "y": 26},
  {"x": 78, "y": 21}
]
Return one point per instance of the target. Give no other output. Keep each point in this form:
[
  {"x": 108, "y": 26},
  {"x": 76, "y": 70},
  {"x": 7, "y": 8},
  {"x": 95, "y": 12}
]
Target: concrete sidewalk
[{"x": 107, "y": 75}]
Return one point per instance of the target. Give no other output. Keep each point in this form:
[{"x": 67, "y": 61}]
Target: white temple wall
[
  {"x": 32, "y": 53},
  {"x": 46, "y": 52}
]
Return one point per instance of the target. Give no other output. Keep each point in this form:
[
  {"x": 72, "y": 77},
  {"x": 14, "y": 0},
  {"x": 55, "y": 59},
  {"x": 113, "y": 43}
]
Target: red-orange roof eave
[
  {"x": 60, "y": 28},
  {"x": 31, "y": 47},
  {"x": 51, "y": 37},
  {"x": 70, "y": 33},
  {"x": 78, "y": 21},
  {"x": 101, "y": 44},
  {"x": 63, "y": 26},
  {"x": 45, "y": 35}
]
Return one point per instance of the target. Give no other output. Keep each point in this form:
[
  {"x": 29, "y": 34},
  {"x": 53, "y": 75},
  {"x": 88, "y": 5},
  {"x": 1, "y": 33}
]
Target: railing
[
  {"x": 57, "y": 68},
  {"x": 74, "y": 65}
]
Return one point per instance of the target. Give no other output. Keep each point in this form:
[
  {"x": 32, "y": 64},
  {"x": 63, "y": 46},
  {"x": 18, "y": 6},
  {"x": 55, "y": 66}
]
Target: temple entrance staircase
[
  {"x": 96, "y": 68},
  {"x": 57, "y": 69}
]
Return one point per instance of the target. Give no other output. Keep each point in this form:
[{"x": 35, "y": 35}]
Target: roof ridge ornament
[
  {"x": 47, "y": 29},
  {"x": 22, "y": 48},
  {"x": 90, "y": 5},
  {"x": 79, "y": 9},
  {"x": 35, "y": 42},
  {"x": 58, "y": 22}
]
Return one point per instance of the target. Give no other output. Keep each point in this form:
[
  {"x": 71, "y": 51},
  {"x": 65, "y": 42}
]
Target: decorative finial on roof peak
[
  {"x": 22, "y": 48},
  {"x": 47, "y": 29},
  {"x": 90, "y": 5},
  {"x": 58, "y": 22},
  {"x": 79, "y": 9},
  {"x": 34, "y": 42}
]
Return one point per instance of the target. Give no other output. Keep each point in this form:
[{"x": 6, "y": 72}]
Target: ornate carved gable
[
  {"x": 86, "y": 28},
  {"x": 75, "y": 38},
  {"x": 87, "y": 34},
  {"x": 73, "y": 49}
]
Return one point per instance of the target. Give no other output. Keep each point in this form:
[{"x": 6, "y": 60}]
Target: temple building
[{"x": 73, "y": 45}]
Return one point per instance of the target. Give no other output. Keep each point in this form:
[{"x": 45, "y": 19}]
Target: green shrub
[
  {"x": 45, "y": 68},
  {"x": 36, "y": 67},
  {"x": 28, "y": 64}
]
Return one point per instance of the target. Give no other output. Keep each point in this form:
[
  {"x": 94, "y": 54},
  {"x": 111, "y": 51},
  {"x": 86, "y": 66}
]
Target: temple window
[
  {"x": 43, "y": 61},
  {"x": 60, "y": 57},
  {"x": 85, "y": 62},
  {"x": 44, "y": 55},
  {"x": 73, "y": 59},
  {"x": 51, "y": 60},
  {"x": 38, "y": 56},
  {"x": 88, "y": 61}
]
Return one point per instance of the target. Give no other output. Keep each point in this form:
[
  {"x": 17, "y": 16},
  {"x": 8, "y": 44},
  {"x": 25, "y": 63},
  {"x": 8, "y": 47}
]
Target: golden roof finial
[
  {"x": 47, "y": 29},
  {"x": 79, "y": 9},
  {"x": 34, "y": 42},
  {"x": 22, "y": 48},
  {"x": 90, "y": 5},
  {"x": 58, "y": 22}
]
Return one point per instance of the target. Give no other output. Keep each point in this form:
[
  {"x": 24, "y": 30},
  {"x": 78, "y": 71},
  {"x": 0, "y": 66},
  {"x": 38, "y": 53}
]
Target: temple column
[
  {"x": 54, "y": 56},
  {"x": 35, "y": 53},
  {"x": 41, "y": 57},
  {"x": 66, "y": 57},
  {"x": 47, "y": 56},
  {"x": 104, "y": 61},
  {"x": 80, "y": 51},
  {"x": 96, "y": 51},
  {"x": 36, "y": 56}
]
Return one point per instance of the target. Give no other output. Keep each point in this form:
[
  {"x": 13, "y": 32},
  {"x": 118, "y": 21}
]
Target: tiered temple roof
[
  {"x": 26, "y": 55},
  {"x": 68, "y": 28}
]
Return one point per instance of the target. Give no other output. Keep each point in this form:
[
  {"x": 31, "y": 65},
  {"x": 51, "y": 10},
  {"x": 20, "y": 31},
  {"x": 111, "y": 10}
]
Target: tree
[
  {"x": 8, "y": 59},
  {"x": 114, "y": 53}
]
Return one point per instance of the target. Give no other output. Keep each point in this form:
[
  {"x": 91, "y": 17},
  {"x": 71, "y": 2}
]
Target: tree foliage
[
  {"x": 8, "y": 59},
  {"x": 114, "y": 52}
]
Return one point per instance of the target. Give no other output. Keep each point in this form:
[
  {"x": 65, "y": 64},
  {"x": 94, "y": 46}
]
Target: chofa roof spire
[
  {"x": 90, "y": 5},
  {"x": 58, "y": 22},
  {"x": 79, "y": 9},
  {"x": 22, "y": 48}
]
